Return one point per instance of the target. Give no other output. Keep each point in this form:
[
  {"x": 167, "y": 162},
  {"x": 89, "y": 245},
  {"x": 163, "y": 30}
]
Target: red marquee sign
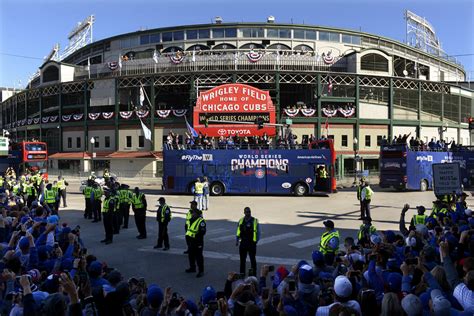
[{"x": 228, "y": 103}]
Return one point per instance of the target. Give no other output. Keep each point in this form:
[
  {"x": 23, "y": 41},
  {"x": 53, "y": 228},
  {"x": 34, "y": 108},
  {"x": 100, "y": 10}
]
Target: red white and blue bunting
[
  {"x": 78, "y": 117},
  {"x": 23, "y": 122},
  {"x": 53, "y": 118},
  {"x": 329, "y": 112},
  {"x": 179, "y": 113},
  {"x": 328, "y": 58},
  {"x": 308, "y": 112},
  {"x": 142, "y": 113},
  {"x": 178, "y": 58},
  {"x": 45, "y": 119},
  {"x": 66, "y": 118},
  {"x": 107, "y": 115},
  {"x": 254, "y": 56},
  {"x": 94, "y": 116},
  {"x": 126, "y": 114},
  {"x": 291, "y": 112},
  {"x": 36, "y": 120},
  {"x": 163, "y": 113},
  {"x": 113, "y": 65},
  {"x": 30, "y": 121},
  {"x": 348, "y": 112}
]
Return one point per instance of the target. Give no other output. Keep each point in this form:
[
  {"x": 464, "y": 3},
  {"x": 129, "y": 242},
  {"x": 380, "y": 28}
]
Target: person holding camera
[{"x": 248, "y": 235}]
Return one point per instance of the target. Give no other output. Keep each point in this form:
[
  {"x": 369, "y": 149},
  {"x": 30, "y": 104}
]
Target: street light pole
[
  {"x": 92, "y": 153},
  {"x": 355, "y": 161}
]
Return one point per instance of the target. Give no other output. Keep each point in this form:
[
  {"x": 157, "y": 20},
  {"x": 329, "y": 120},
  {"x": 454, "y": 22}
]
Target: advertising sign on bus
[{"x": 216, "y": 108}]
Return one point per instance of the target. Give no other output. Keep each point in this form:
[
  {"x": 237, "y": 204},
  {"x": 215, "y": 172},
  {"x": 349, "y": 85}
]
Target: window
[
  {"x": 178, "y": 35},
  {"x": 311, "y": 35},
  {"x": 298, "y": 34},
  {"x": 155, "y": 38},
  {"x": 206, "y": 33},
  {"x": 167, "y": 37},
  {"x": 252, "y": 32},
  {"x": 78, "y": 142},
  {"x": 107, "y": 141},
  {"x": 367, "y": 140},
  {"x": 285, "y": 33},
  {"x": 69, "y": 142},
  {"x": 344, "y": 140},
  {"x": 346, "y": 39},
  {"x": 96, "y": 144},
  {"x": 144, "y": 39},
  {"x": 323, "y": 36},
  {"x": 231, "y": 32},
  {"x": 129, "y": 142},
  {"x": 334, "y": 37},
  {"x": 191, "y": 34},
  {"x": 272, "y": 33},
  {"x": 141, "y": 141},
  {"x": 331, "y": 137},
  {"x": 217, "y": 33},
  {"x": 374, "y": 62},
  {"x": 379, "y": 140}
]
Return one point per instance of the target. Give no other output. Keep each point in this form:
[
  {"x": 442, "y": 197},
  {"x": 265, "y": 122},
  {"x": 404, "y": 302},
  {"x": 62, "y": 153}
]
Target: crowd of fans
[
  {"x": 419, "y": 145},
  {"x": 424, "y": 269}
]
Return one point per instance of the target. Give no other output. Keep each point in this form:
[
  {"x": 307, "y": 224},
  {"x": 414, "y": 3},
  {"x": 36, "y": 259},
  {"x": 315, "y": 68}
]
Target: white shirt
[
  {"x": 465, "y": 297},
  {"x": 324, "y": 310}
]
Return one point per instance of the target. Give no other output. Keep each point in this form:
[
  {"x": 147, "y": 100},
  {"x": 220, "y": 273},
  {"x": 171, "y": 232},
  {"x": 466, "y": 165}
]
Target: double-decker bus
[
  {"x": 404, "y": 168},
  {"x": 33, "y": 157},
  {"x": 252, "y": 171}
]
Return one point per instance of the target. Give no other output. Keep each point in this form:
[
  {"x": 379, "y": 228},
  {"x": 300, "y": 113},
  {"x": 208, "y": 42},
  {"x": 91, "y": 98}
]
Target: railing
[{"x": 207, "y": 62}]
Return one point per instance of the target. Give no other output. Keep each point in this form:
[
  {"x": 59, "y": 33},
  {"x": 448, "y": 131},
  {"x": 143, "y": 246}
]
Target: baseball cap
[
  {"x": 208, "y": 294},
  {"x": 280, "y": 274},
  {"x": 193, "y": 202},
  {"x": 342, "y": 286},
  {"x": 328, "y": 223},
  {"x": 410, "y": 241},
  {"x": 53, "y": 219},
  {"x": 154, "y": 295},
  {"x": 375, "y": 239},
  {"x": 412, "y": 306},
  {"x": 317, "y": 256},
  {"x": 305, "y": 274},
  {"x": 468, "y": 212},
  {"x": 441, "y": 305},
  {"x": 421, "y": 208},
  {"x": 161, "y": 199}
]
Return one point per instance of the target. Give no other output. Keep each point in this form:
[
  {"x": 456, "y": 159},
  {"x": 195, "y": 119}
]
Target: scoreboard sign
[{"x": 217, "y": 109}]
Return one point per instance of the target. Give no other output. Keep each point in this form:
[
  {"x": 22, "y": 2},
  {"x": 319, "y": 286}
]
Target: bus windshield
[
  {"x": 36, "y": 166},
  {"x": 35, "y": 147}
]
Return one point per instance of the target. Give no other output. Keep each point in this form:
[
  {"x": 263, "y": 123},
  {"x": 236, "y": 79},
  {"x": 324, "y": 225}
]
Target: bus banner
[{"x": 217, "y": 108}]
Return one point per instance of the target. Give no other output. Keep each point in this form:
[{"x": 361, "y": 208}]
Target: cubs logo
[{"x": 259, "y": 173}]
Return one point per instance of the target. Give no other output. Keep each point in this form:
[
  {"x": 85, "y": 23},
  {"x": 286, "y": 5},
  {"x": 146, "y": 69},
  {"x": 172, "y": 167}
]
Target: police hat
[
  {"x": 421, "y": 208},
  {"x": 328, "y": 223},
  {"x": 193, "y": 202},
  {"x": 161, "y": 199}
]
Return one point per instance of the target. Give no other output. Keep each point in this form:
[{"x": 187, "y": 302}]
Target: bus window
[
  {"x": 189, "y": 170},
  {"x": 221, "y": 170},
  {"x": 180, "y": 170},
  {"x": 211, "y": 169}
]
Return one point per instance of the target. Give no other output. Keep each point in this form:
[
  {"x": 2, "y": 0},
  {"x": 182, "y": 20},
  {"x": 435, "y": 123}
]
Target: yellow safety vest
[
  {"x": 97, "y": 193},
  {"x": 30, "y": 190},
  {"x": 1, "y": 182},
  {"x": 124, "y": 196},
  {"x": 137, "y": 200},
  {"x": 16, "y": 189},
  {"x": 419, "y": 219},
  {"x": 193, "y": 229},
  {"x": 188, "y": 218},
  {"x": 105, "y": 206},
  {"x": 255, "y": 223},
  {"x": 87, "y": 192},
  {"x": 49, "y": 196},
  {"x": 368, "y": 193},
  {"x": 163, "y": 212},
  {"x": 325, "y": 238},
  {"x": 372, "y": 230},
  {"x": 323, "y": 173},
  {"x": 61, "y": 184},
  {"x": 198, "y": 188}
]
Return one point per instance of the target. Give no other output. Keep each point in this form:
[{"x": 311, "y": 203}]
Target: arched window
[
  {"x": 51, "y": 73},
  {"x": 198, "y": 47},
  {"x": 172, "y": 49},
  {"x": 374, "y": 62},
  {"x": 224, "y": 46},
  {"x": 279, "y": 46},
  {"x": 252, "y": 46}
]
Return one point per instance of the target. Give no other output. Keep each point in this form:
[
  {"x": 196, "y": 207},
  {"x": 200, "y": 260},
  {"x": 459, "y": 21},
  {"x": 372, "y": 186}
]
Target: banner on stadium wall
[{"x": 234, "y": 103}]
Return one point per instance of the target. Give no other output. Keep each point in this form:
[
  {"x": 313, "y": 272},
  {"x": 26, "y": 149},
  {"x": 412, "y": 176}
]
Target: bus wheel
[
  {"x": 217, "y": 188},
  {"x": 423, "y": 185},
  {"x": 300, "y": 189}
]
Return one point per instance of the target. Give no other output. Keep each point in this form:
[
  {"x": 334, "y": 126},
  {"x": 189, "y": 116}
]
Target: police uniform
[
  {"x": 195, "y": 236},
  {"x": 116, "y": 212},
  {"x": 139, "y": 206},
  {"x": 107, "y": 215},
  {"x": 248, "y": 233},
  {"x": 96, "y": 202},
  {"x": 329, "y": 243},
  {"x": 359, "y": 198},
  {"x": 125, "y": 198},
  {"x": 31, "y": 192},
  {"x": 163, "y": 217},
  {"x": 198, "y": 193},
  {"x": 87, "y": 196},
  {"x": 50, "y": 198},
  {"x": 366, "y": 196},
  {"x": 62, "y": 190},
  {"x": 365, "y": 231}
]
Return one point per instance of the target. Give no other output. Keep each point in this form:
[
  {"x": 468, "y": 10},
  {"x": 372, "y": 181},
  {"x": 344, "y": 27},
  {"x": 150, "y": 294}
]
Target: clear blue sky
[{"x": 31, "y": 27}]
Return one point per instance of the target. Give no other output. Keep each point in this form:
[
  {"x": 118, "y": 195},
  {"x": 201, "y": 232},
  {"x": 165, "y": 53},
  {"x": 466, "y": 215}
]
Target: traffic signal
[
  {"x": 471, "y": 123},
  {"x": 259, "y": 121}
]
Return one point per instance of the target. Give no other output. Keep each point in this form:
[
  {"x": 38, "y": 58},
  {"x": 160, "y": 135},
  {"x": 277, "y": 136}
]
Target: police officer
[
  {"x": 87, "y": 196},
  {"x": 329, "y": 243},
  {"x": 96, "y": 201},
  {"x": 248, "y": 235},
  {"x": 198, "y": 192},
  {"x": 193, "y": 207},
  {"x": 139, "y": 206},
  {"x": 62, "y": 185},
  {"x": 125, "y": 198},
  {"x": 366, "y": 197},
  {"x": 195, "y": 237},
  {"x": 56, "y": 191},
  {"x": 107, "y": 214},
  {"x": 419, "y": 218},
  {"x": 32, "y": 193},
  {"x": 359, "y": 192},
  {"x": 322, "y": 176},
  {"x": 50, "y": 198},
  {"x": 106, "y": 175},
  {"x": 116, "y": 210},
  {"x": 163, "y": 217},
  {"x": 205, "y": 194},
  {"x": 365, "y": 231}
]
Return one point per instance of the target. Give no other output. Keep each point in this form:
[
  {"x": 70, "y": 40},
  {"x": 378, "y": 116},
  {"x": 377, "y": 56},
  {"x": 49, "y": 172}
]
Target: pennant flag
[
  {"x": 155, "y": 56},
  {"x": 191, "y": 130},
  {"x": 194, "y": 56},
  {"x": 142, "y": 96},
  {"x": 146, "y": 130}
]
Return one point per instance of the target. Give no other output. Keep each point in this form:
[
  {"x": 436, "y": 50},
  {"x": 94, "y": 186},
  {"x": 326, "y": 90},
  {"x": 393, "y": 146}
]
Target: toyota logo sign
[{"x": 222, "y": 132}]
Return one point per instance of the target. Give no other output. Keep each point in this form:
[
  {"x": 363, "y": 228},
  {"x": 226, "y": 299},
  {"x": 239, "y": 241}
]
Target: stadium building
[{"x": 353, "y": 86}]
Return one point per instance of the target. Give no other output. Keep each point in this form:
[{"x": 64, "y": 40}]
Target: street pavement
[{"x": 291, "y": 227}]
